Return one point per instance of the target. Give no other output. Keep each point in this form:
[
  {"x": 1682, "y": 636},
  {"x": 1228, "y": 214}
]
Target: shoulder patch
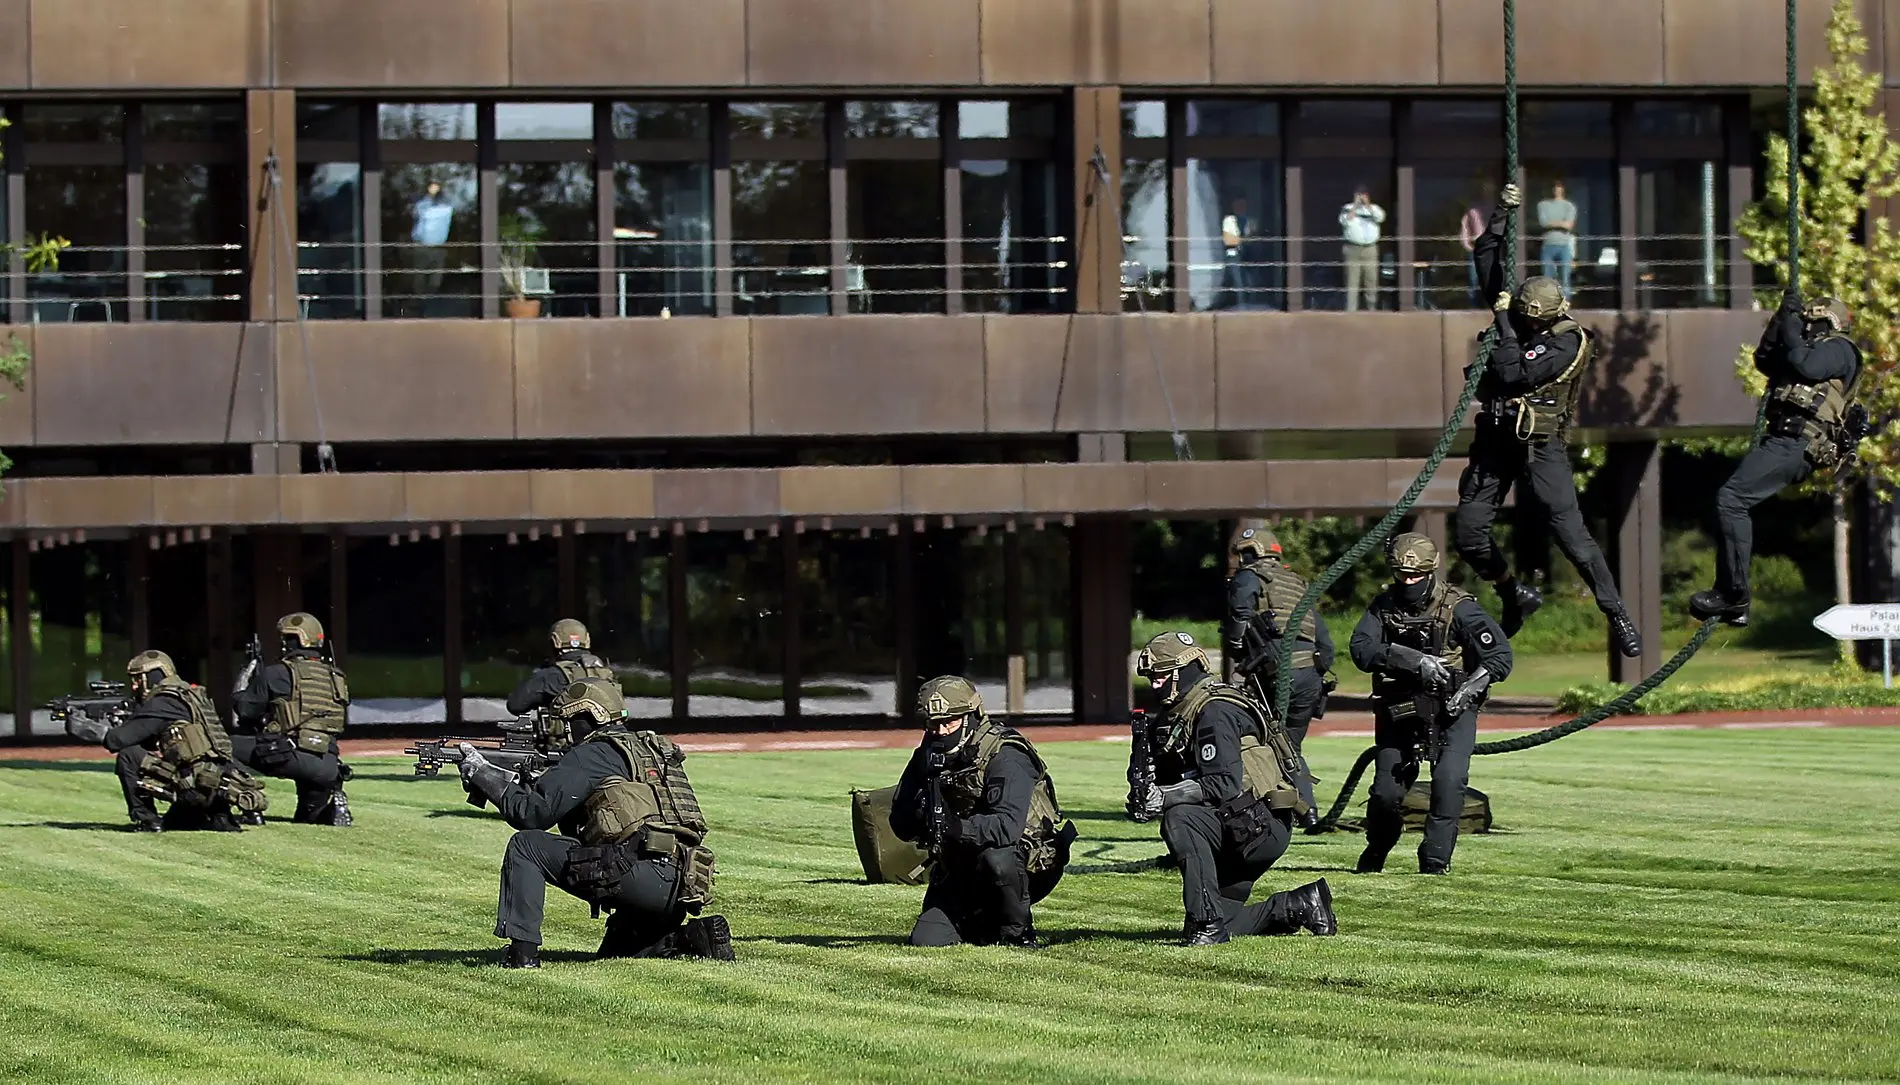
[
  {"x": 1529, "y": 354},
  {"x": 1208, "y": 751},
  {"x": 1485, "y": 638}
]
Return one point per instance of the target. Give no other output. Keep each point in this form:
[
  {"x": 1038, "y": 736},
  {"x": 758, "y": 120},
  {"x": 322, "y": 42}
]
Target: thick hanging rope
[{"x": 1794, "y": 153}]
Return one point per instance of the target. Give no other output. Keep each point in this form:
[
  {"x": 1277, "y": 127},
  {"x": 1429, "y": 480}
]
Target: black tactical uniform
[
  {"x": 1262, "y": 595},
  {"x": 1391, "y": 643},
  {"x": 172, "y": 747},
  {"x": 545, "y": 686},
  {"x": 135, "y": 740},
  {"x": 289, "y": 716},
  {"x": 1527, "y": 399},
  {"x": 1004, "y": 840},
  {"x": 1226, "y": 801},
  {"x": 1812, "y": 370}
]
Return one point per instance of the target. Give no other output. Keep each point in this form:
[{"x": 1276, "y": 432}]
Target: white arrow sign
[{"x": 1861, "y": 621}]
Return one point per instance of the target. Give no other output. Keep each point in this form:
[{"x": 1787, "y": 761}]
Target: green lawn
[
  {"x": 1658, "y": 910},
  {"x": 1547, "y": 674}
]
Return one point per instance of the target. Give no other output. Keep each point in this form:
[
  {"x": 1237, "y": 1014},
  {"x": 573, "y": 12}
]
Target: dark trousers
[
  {"x": 644, "y": 908},
  {"x": 1301, "y": 706},
  {"x": 1779, "y": 462},
  {"x": 1217, "y": 877},
  {"x": 317, "y": 776},
  {"x": 1500, "y": 461},
  {"x": 191, "y": 811},
  {"x": 982, "y": 897},
  {"x": 1395, "y": 770},
  {"x": 138, "y": 804}
]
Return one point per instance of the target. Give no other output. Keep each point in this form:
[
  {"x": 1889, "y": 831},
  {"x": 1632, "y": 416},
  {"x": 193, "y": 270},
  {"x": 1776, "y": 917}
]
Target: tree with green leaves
[
  {"x": 1848, "y": 161},
  {"x": 37, "y": 254}
]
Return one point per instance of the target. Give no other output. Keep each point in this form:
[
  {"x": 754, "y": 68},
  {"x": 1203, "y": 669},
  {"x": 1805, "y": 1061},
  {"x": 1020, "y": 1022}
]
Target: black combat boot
[
  {"x": 1623, "y": 634},
  {"x": 340, "y": 810},
  {"x": 252, "y": 817},
  {"x": 1704, "y": 605},
  {"x": 1311, "y": 906},
  {"x": 1023, "y": 938},
  {"x": 1369, "y": 863},
  {"x": 1213, "y": 932},
  {"x": 145, "y": 825},
  {"x": 707, "y": 936},
  {"x": 521, "y": 955},
  {"x": 1517, "y": 601},
  {"x": 1433, "y": 866}
]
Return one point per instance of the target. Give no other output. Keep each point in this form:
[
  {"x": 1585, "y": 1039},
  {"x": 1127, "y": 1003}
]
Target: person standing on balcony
[
  {"x": 1360, "y": 221},
  {"x": 1236, "y": 230},
  {"x": 1557, "y": 217},
  {"x": 433, "y": 215}
]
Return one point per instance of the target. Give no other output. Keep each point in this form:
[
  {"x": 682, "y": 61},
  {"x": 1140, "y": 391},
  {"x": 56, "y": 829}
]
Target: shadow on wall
[{"x": 1607, "y": 397}]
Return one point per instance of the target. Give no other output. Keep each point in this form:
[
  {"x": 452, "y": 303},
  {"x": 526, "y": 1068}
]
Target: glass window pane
[
  {"x": 330, "y": 239},
  {"x": 1676, "y": 119},
  {"x": 1453, "y": 202},
  {"x": 1006, "y": 120},
  {"x": 1345, "y": 117},
  {"x": 1147, "y": 273},
  {"x": 71, "y": 123},
  {"x": 330, "y": 121},
  {"x": 547, "y": 236},
  {"x": 1144, "y": 120},
  {"x": 663, "y": 239},
  {"x": 847, "y": 628},
  {"x": 890, "y": 120},
  {"x": 508, "y": 595},
  {"x": 194, "y": 238},
  {"x": 735, "y": 598},
  {"x": 1567, "y": 120},
  {"x": 778, "y": 120},
  {"x": 1009, "y": 214},
  {"x": 1046, "y": 639},
  {"x": 194, "y": 122},
  {"x": 426, "y": 120},
  {"x": 661, "y": 120},
  {"x": 1350, "y": 263},
  {"x": 623, "y": 590},
  {"x": 1454, "y": 118},
  {"x": 781, "y": 228},
  {"x": 86, "y": 206},
  {"x": 894, "y": 217},
  {"x": 1570, "y": 219},
  {"x": 1681, "y": 241},
  {"x": 431, "y": 241},
  {"x": 544, "y": 120},
  {"x": 1236, "y": 252},
  {"x": 395, "y": 634},
  {"x": 1233, "y": 117}
]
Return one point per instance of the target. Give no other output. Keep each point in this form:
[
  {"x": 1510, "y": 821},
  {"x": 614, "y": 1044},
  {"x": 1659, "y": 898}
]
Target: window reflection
[
  {"x": 623, "y": 601},
  {"x": 330, "y": 239},
  {"x": 781, "y": 229},
  {"x": 1681, "y": 233},
  {"x": 778, "y": 120},
  {"x": 1567, "y": 120},
  {"x": 431, "y": 238},
  {"x": 1570, "y": 224},
  {"x": 893, "y": 207},
  {"x": 396, "y": 626},
  {"x": 194, "y": 239},
  {"x": 1456, "y": 176},
  {"x": 1236, "y": 255},
  {"x": 735, "y": 601},
  {"x": 86, "y": 206},
  {"x": 573, "y": 121},
  {"x": 847, "y": 628},
  {"x": 71, "y": 123},
  {"x": 1233, "y": 117},
  {"x": 1009, "y": 212},
  {"x": 508, "y": 595},
  {"x": 193, "y": 122},
  {"x": 547, "y": 237},
  {"x": 426, "y": 121},
  {"x": 1147, "y": 267},
  {"x": 662, "y": 209}
]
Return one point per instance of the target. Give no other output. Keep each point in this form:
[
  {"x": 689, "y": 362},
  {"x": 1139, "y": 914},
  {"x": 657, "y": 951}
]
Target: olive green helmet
[
  {"x": 1831, "y": 311},
  {"x": 1255, "y": 543},
  {"x": 151, "y": 660},
  {"x": 305, "y": 627},
  {"x": 947, "y": 698},
  {"x": 1412, "y": 554},
  {"x": 1541, "y": 298},
  {"x": 569, "y": 635},
  {"x": 595, "y": 698},
  {"x": 1161, "y": 657}
]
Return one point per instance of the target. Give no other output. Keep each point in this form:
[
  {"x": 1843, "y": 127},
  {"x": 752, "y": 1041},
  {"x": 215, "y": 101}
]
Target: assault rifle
[
  {"x": 1141, "y": 765},
  {"x": 522, "y": 749},
  {"x": 1259, "y": 659},
  {"x": 933, "y": 799},
  {"x": 105, "y": 704}
]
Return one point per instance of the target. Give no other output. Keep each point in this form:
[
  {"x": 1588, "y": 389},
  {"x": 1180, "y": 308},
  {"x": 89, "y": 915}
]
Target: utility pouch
[
  {"x": 1051, "y": 850},
  {"x": 274, "y": 753},
  {"x": 594, "y": 872},
  {"x": 158, "y": 778},
  {"x": 187, "y": 742},
  {"x": 311, "y": 740},
  {"x": 696, "y": 878},
  {"x": 244, "y": 792},
  {"x": 1245, "y": 819}
]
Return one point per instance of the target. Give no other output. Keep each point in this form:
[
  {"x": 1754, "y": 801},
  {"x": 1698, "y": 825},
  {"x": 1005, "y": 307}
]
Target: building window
[
  {"x": 1457, "y": 157},
  {"x": 431, "y": 222},
  {"x": 735, "y": 601},
  {"x": 1344, "y": 151},
  {"x": 1147, "y": 264},
  {"x": 1571, "y": 226},
  {"x": 195, "y": 197},
  {"x": 894, "y": 190},
  {"x": 547, "y": 257},
  {"x": 1235, "y": 203},
  {"x": 781, "y": 209},
  {"x": 847, "y": 623},
  {"x": 74, "y": 161},
  {"x": 1009, "y": 198},
  {"x": 663, "y": 221},
  {"x": 1682, "y": 228},
  {"x": 330, "y": 210},
  {"x": 624, "y": 603}
]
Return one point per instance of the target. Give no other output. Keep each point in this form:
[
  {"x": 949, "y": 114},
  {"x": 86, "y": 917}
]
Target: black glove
[
  {"x": 1791, "y": 301},
  {"x": 1433, "y": 672},
  {"x": 1468, "y": 694},
  {"x": 1144, "y": 803}
]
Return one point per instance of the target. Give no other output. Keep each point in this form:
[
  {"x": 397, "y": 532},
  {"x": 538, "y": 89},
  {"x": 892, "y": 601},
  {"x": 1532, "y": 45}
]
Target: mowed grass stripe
[{"x": 1665, "y": 906}]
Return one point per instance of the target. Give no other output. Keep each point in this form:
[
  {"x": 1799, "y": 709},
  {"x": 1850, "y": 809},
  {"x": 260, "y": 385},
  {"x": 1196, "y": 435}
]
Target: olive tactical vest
[
  {"x": 1429, "y": 632},
  {"x": 200, "y": 738},
  {"x": 554, "y": 726},
  {"x": 1814, "y": 412},
  {"x": 1265, "y": 752},
  {"x": 317, "y": 708},
  {"x": 654, "y": 799},
  {"x": 1547, "y": 410},
  {"x": 1281, "y": 590},
  {"x": 963, "y": 790},
  {"x": 194, "y": 755}
]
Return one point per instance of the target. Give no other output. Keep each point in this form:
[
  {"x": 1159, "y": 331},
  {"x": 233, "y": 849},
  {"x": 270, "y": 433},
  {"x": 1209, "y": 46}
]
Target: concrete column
[
  {"x": 791, "y": 639},
  {"x": 1634, "y": 472},
  {"x": 677, "y": 618},
  {"x": 1431, "y": 524},
  {"x": 271, "y": 122},
  {"x": 452, "y": 629},
  {"x": 20, "y": 626},
  {"x": 1098, "y": 231},
  {"x": 1102, "y": 564},
  {"x": 219, "y": 635},
  {"x": 1014, "y": 619}
]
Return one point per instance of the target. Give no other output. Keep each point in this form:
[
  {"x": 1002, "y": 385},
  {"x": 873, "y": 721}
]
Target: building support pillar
[
  {"x": 338, "y": 626},
  {"x": 904, "y": 584},
  {"x": 677, "y": 618},
  {"x": 1634, "y": 472},
  {"x": 20, "y": 630},
  {"x": 791, "y": 662},
  {"x": 452, "y": 629},
  {"x": 1103, "y": 564},
  {"x": 1014, "y": 618},
  {"x": 219, "y": 675}
]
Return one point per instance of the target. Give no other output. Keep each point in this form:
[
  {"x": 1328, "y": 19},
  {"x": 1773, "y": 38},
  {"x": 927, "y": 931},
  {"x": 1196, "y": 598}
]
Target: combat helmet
[
  {"x": 143, "y": 664},
  {"x": 1255, "y": 543},
  {"x": 1830, "y": 311},
  {"x": 595, "y": 698},
  {"x": 569, "y": 635},
  {"x": 949, "y": 697},
  {"x": 1165, "y": 655},
  {"x": 1541, "y": 298},
  {"x": 1412, "y": 554},
  {"x": 304, "y": 627}
]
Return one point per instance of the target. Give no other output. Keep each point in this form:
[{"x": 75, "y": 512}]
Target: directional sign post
[{"x": 1865, "y": 621}]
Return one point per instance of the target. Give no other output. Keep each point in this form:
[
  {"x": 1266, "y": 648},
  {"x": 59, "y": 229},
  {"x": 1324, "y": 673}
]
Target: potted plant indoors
[{"x": 518, "y": 238}]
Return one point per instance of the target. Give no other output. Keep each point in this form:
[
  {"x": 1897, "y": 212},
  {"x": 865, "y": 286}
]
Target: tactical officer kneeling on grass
[
  {"x": 978, "y": 799},
  {"x": 172, "y": 748},
  {"x": 573, "y": 660},
  {"x": 631, "y": 838},
  {"x": 1433, "y": 653},
  {"x": 1223, "y": 785},
  {"x": 290, "y": 715}
]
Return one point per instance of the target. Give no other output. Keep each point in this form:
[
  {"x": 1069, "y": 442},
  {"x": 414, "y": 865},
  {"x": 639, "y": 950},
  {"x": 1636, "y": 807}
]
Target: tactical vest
[
  {"x": 1281, "y": 590},
  {"x": 194, "y": 756},
  {"x": 554, "y": 728},
  {"x": 1430, "y": 632},
  {"x": 1814, "y": 413},
  {"x": 1547, "y": 410},
  {"x": 963, "y": 791},
  {"x": 654, "y": 801},
  {"x": 1266, "y": 753},
  {"x": 317, "y": 708}
]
